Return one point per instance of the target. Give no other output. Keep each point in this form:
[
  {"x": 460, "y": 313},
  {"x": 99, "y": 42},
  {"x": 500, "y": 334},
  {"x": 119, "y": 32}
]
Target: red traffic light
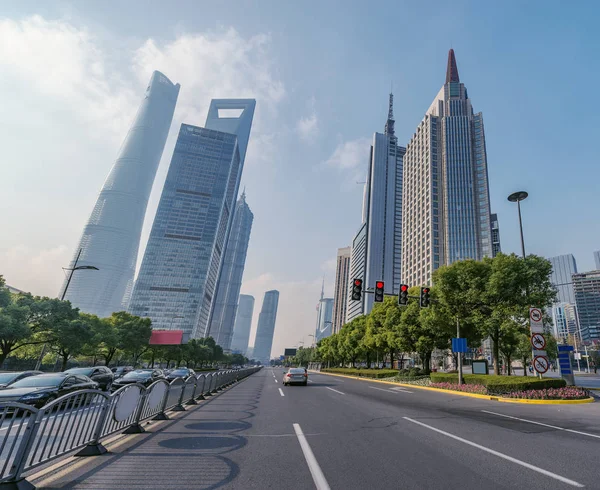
[
  {"x": 379, "y": 284},
  {"x": 357, "y": 282},
  {"x": 404, "y": 287},
  {"x": 425, "y": 290}
]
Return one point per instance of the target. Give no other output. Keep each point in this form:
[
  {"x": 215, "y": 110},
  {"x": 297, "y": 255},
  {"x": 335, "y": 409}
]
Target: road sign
[
  {"x": 535, "y": 314},
  {"x": 536, "y": 323},
  {"x": 577, "y": 356},
  {"x": 538, "y": 342},
  {"x": 459, "y": 345},
  {"x": 541, "y": 364}
]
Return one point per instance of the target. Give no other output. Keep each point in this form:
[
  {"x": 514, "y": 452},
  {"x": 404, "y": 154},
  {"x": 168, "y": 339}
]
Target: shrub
[
  {"x": 501, "y": 384},
  {"x": 470, "y": 388},
  {"x": 367, "y": 373}
]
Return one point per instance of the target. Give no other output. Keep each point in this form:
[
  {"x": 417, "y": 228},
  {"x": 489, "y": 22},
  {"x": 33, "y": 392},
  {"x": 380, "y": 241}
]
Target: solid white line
[
  {"x": 335, "y": 390},
  {"x": 281, "y": 392},
  {"x": 313, "y": 465},
  {"x": 545, "y": 425},
  {"x": 500, "y": 455},
  {"x": 403, "y": 390},
  {"x": 391, "y": 390}
]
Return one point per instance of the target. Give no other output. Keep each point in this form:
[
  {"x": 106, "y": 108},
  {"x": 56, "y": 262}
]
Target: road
[{"x": 342, "y": 433}]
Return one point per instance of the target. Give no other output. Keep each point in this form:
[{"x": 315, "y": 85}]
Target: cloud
[
  {"x": 350, "y": 154},
  {"x": 35, "y": 270},
  {"x": 307, "y": 127}
]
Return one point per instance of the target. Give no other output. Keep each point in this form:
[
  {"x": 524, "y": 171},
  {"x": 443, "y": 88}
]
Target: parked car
[
  {"x": 8, "y": 378},
  {"x": 143, "y": 376},
  {"x": 121, "y": 371},
  {"x": 180, "y": 373},
  {"x": 100, "y": 374},
  {"x": 295, "y": 376},
  {"x": 43, "y": 388}
]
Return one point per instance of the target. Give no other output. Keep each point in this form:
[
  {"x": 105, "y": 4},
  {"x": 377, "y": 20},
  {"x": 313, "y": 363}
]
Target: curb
[{"x": 470, "y": 395}]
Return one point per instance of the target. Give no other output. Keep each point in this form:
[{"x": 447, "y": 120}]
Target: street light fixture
[{"x": 518, "y": 197}]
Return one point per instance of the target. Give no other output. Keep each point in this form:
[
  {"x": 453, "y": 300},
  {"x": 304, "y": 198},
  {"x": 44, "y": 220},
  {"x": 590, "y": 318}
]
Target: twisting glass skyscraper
[
  {"x": 243, "y": 324},
  {"x": 230, "y": 280},
  {"x": 445, "y": 201},
  {"x": 111, "y": 237},
  {"x": 263, "y": 341},
  {"x": 178, "y": 278}
]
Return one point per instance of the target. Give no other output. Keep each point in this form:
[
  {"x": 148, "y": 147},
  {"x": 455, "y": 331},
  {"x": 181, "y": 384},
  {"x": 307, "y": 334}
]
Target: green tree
[
  {"x": 134, "y": 334},
  {"x": 69, "y": 338}
]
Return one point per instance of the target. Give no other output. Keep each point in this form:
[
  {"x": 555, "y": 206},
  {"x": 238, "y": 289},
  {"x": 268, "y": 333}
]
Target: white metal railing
[{"x": 30, "y": 437}]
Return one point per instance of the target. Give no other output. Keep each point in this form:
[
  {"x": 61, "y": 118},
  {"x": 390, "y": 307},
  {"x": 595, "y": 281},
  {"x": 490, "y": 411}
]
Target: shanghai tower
[{"x": 111, "y": 237}]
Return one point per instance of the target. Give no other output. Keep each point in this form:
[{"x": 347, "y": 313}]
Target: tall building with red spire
[{"x": 445, "y": 198}]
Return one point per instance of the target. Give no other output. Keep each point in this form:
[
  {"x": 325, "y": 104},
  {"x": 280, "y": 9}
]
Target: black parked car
[
  {"x": 121, "y": 371},
  {"x": 44, "y": 388},
  {"x": 100, "y": 374},
  {"x": 180, "y": 373},
  {"x": 143, "y": 376},
  {"x": 6, "y": 379}
]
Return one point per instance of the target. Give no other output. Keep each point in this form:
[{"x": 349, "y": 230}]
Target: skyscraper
[
  {"x": 358, "y": 267},
  {"x": 178, "y": 277},
  {"x": 243, "y": 323},
  {"x": 324, "y": 319},
  {"x": 563, "y": 268},
  {"x": 263, "y": 341},
  {"x": 384, "y": 210},
  {"x": 230, "y": 280},
  {"x": 111, "y": 237},
  {"x": 340, "y": 296},
  {"x": 597, "y": 260},
  {"x": 587, "y": 297},
  {"x": 496, "y": 249},
  {"x": 445, "y": 199}
]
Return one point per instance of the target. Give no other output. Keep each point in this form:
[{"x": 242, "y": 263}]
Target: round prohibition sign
[
  {"x": 535, "y": 315},
  {"x": 538, "y": 342},
  {"x": 541, "y": 364}
]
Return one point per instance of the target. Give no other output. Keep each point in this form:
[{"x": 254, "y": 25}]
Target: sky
[{"x": 74, "y": 73}]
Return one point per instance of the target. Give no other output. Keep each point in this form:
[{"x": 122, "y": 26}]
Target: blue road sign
[
  {"x": 459, "y": 345},
  {"x": 565, "y": 348}
]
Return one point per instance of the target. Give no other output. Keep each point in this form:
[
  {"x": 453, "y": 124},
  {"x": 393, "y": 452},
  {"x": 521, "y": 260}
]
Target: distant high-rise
[
  {"x": 230, "y": 280},
  {"x": 587, "y": 297},
  {"x": 177, "y": 281},
  {"x": 324, "y": 319},
  {"x": 445, "y": 201},
  {"x": 340, "y": 296},
  {"x": 243, "y": 324},
  {"x": 111, "y": 237},
  {"x": 597, "y": 260},
  {"x": 563, "y": 268},
  {"x": 358, "y": 267},
  {"x": 263, "y": 341},
  {"x": 496, "y": 249}
]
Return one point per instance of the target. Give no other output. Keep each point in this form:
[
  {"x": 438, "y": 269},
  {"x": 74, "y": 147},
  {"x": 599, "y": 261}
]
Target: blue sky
[{"x": 73, "y": 75}]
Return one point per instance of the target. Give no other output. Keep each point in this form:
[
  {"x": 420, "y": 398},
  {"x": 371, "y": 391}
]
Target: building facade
[
  {"x": 587, "y": 297},
  {"x": 496, "y": 249},
  {"x": 243, "y": 324},
  {"x": 177, "y": 281},
  {"x": 324, "y": 319},
  {"x": 445, "y": 200},
  {"x": 111, "y": 237},
  {"x": 230, "y": 280},
  {"x": 358, "y": 266},
  {"x": 263, "y": 342},
  {"x": 597, "y": 260},
  {"x": 340, "y": 295},
  {"x": 563, "y": 268}
]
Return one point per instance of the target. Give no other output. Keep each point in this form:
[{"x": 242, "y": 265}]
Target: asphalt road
[{"x": 342, "y": 433}]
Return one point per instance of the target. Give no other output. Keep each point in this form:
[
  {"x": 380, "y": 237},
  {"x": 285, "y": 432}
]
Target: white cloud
[
  {"x": 307, "y": 127},
  {"x": 350, "y": 154}
]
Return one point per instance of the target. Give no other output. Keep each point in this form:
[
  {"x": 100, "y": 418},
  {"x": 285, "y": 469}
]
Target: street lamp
[
  {"x": 72, "y": 269},
  {"x": 518, "y": 197}
]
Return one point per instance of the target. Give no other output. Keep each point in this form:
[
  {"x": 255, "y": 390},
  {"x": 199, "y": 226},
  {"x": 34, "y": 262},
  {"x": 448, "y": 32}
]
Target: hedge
[
  {"x": 501, "y": 384},
  {"x": 366, "y": 373}
]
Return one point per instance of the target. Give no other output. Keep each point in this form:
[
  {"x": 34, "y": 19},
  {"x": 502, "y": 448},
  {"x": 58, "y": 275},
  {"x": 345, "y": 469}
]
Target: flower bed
[
  {"x": 478, "y": 389},
  {"x": 566, "y": 393}
]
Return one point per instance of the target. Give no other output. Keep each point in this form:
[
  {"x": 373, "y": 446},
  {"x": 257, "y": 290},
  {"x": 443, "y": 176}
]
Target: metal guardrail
[{"x": 30, "y": 437}]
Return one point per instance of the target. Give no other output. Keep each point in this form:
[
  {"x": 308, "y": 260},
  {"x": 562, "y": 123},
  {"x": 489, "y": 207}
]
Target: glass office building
[
  {"x": 177, "y": 281},
  {"x": 263, "y": 342},
  {"x": 340, "y": 297},
  {"x": 243, "y": 324},
  {"x": 563, "y": 268},
  {"x": 445, "y": 201},
  {"x": 230, "y": 281},
  {"x": 111, "y": 237}
]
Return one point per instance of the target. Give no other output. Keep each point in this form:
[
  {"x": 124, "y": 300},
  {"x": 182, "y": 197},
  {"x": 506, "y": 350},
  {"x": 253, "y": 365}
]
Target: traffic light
[
  {"x": 403, "y": 295},
  {"x": 357, "y": 289},
  {"x": 379, "y": 292},
  {"x": 424, "y": 300}
]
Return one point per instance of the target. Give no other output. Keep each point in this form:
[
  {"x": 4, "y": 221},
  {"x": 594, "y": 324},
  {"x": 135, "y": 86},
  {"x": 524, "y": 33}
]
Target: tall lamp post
[
  {"x": 518, "y": 197},
  {"x": 72, "y": 269}
]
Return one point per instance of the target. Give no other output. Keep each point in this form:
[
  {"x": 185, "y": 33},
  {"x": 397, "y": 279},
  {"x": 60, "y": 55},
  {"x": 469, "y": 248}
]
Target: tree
[
  {"x": 524, "y": 352},
  {"x": 69, "y": 338},
  {"x": 134, "y": 334}
]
